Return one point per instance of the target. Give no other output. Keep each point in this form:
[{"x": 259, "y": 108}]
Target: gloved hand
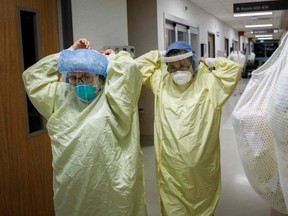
[{"x": 209, "y": 62}]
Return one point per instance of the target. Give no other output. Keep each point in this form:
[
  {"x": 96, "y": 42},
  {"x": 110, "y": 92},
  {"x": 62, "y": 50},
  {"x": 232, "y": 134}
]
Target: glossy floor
[{"x": 237, "y": 197}]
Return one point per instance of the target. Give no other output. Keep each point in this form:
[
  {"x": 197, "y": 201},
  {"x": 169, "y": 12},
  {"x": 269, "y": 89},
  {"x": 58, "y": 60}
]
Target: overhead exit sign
[
  {"x": 260, "y": 6},
  {"x": 265, "y": 31}
]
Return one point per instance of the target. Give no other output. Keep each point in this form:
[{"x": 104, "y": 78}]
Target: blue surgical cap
[
  {"x": 181, "y": 45},
  {"x": 84, "y": 60}
]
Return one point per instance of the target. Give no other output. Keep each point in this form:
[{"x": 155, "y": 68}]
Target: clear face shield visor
[
  {"x": 80, "y": 71},
  {"x": 176, "y": 57},
  {"x": 181, "y": 73},
  {"x": 81, "y": 85}
]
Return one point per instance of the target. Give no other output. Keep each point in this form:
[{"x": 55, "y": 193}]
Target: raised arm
[
  {"x": 150, "y": 63},
  {"x": 223, "y": 78},
  {"x": 41, "y": 80},
  {"x": 122, "y": 88}
]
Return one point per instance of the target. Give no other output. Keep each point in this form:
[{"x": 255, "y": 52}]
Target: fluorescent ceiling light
[
  {"x": 252, "y": 14},
  {"x": 263, "y": 35},
  {"x": 266, "y": 38},
  {"x": 256, "y": 26}
]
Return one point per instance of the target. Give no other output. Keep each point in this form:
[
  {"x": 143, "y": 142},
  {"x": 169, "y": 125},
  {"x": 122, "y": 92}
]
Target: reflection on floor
[{"x": 237, "y": 197}]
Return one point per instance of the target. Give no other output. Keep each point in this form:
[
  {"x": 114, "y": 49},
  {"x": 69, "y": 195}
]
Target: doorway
[
  {"x": 211, "y": 45},
  {"x": 226, "y": 46},
  {"x": 29, "y": 32}
]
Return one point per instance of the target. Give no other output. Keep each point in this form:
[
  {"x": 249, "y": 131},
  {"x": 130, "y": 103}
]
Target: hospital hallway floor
[{"x": 237, "y": 197}]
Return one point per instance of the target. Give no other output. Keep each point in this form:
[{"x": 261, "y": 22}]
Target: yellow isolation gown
[
  {"x": 97, "y": 160},
  {"x": 186, "y": 134}
]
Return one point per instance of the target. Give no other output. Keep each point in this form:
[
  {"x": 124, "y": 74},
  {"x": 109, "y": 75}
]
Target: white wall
[
  {"x": 197, "y": 16},
  {"x": 102, "y": 22}
]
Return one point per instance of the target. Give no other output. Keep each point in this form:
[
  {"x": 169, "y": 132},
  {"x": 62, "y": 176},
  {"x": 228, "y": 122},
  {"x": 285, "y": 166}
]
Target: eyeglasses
[
  {"x": 85, "y": 78},
  {"x": 184, "y": 67}
]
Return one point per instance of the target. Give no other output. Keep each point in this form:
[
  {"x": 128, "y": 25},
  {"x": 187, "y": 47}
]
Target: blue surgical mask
[{"x": 86, "y": 93}]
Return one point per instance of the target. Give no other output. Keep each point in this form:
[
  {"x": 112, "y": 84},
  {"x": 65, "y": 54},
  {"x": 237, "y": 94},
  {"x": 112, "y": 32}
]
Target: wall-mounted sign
[
  {"x": 265, "y": 31},
  {"x": 260, "y": 6}
]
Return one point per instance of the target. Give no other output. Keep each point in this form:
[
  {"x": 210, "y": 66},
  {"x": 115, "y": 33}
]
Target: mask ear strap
[{"x": 177, "y": 57}]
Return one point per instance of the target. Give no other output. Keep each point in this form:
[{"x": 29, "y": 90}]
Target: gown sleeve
[
  {"x": 123, "y": 86},
  {"x": 150, "y": 67},
  {"x": 222, "y": 80},
  {"x": 41, "y": 81}
]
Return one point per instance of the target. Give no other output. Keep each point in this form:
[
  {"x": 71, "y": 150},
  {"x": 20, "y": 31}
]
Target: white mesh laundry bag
[
  {"x": 238, "y": 57},
  {"x": 278, "y": 118},
  {"x": 255, "y": 138}
]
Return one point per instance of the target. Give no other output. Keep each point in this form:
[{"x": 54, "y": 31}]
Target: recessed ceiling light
[
  {"x": 263, "y": 36},
  {"x": 266, "y": 38},
  {"x": 257, "y": 26},
  {"x": 252, "y": 14}
]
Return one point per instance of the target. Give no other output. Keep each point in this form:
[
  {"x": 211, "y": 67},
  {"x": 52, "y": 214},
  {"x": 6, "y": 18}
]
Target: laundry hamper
[{"x": 257, "y": 129}]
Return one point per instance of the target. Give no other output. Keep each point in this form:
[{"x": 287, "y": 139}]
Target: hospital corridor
[
  {"x": 238, "y": 197},
  {"x": 94, "y": 91}
]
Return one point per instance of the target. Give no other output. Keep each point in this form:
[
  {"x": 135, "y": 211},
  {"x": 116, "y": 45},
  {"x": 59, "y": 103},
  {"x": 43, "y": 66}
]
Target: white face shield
[
  {"x": 182, "y": 76},
  {"x": 176, "y": 57}
]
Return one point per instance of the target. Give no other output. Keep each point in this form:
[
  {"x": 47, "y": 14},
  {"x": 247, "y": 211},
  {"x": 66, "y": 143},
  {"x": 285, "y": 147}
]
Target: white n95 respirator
[{"x": 181, "y": 77}]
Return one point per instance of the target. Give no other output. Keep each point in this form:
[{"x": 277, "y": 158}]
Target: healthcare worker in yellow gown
[
  {"x": 92, "y": 120},
  {"x": 186, "y": 126}
]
